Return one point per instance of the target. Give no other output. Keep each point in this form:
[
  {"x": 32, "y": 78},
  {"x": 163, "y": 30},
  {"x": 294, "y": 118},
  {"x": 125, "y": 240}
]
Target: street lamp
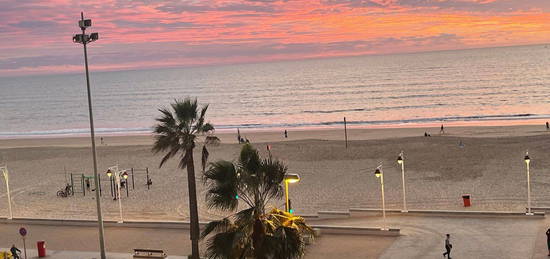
[
  {"x": 289, "y": 178},
  {"x": 527, "y": 162},
  {"x": 5, "y": 172},
  {"x": 113, "y": 170},
  {"x": 380, "y": 174},
  {"x": 84, "y": 39},
  {"x": 401, "y": 161}
]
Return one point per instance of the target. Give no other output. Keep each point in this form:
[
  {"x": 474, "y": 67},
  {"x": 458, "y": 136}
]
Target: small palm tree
[
  {"x": 251, "y": 233},
  {"x": 176, "y": 134}
]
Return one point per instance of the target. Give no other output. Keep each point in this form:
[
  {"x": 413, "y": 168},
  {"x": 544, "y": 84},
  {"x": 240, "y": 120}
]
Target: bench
[{"x": 149, "y": 253}]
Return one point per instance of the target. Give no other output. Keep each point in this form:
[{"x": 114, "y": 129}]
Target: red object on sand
[{"x": 466, "y": 200}]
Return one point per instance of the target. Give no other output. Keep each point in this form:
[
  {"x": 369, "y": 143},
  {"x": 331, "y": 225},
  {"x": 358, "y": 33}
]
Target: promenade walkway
[{"x": 423, "y": 237}]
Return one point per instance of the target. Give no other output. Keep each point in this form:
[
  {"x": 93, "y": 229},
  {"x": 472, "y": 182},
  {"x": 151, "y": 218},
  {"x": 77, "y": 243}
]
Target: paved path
[
  {"x": 82, "y": 242},
  {"x": 472, "y": 237},
  {"x": 33, "y": 253}
]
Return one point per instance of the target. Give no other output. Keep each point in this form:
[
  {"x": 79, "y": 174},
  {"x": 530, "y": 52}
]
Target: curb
[
  {"x": 325, "y": 229},
  {"x": 538, "y": 213}
]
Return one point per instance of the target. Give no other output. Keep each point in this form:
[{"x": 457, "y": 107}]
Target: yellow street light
[
  {"x": 109, "y": 173},
  {"x": 289, "y": 178}
]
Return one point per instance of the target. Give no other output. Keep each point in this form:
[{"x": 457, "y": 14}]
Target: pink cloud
[{"x": 36, "y": 35}]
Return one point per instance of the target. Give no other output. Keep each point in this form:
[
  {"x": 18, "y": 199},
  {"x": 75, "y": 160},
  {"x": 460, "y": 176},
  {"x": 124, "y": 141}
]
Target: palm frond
[{"x": 216, "y": 226}]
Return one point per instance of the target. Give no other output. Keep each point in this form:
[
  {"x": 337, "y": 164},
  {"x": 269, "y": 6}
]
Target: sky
[{"x": 36, "y": 36}]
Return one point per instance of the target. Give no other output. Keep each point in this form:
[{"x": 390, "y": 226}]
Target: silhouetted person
[
  {"x": 448, "y": 247},
  {"x": 548, "y": 240},
  {"x": 425, "y": 134},
  {"x": 442, "y": 130},
  {"x": 547, "y": 126},
  {"x": 247, "y": 141},
  {"x": 286, "y": 133},
  {"x": 14, "y": 252}
]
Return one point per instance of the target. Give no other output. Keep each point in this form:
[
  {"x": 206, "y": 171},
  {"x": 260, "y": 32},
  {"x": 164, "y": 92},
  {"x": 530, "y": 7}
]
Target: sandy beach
[{"x": 489, "y": 166}]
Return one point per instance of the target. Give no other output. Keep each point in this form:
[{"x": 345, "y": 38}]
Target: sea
[{"x": 476, "y": 85}]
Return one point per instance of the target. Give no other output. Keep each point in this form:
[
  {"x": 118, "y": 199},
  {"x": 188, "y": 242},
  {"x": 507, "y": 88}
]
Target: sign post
[{"x": 23, "y": 233}]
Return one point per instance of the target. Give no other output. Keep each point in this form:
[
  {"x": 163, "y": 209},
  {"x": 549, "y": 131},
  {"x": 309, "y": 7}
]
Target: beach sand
[{"x": 489, "y": 167}]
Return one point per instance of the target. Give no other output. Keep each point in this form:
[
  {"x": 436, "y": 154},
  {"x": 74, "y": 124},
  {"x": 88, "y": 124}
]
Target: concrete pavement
[
  {"x": 33, "y": 253},
  {"x": 472, "y": 237}
]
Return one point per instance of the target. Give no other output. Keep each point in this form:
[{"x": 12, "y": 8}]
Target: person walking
[
  {"x": 14, "y": 252},
  {"x": 547, "y": 126},
  {"x": 448, "y": 247},
  {"x": 286, "y": 133},
  {"x": 548, "y": 240},
  {"x": 442, "y": 130}
]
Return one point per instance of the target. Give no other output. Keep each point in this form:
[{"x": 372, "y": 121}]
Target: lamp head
[
  {"x": 527, "y": 159},
  {"x": 291, "y": 178},
  {"x": 85, "y": 23},
  {"x": 94, "y": 36},
  {"x": 109, "y": 173},
  {"x": 125, "y": 175},
  {"x": 377, "y": 173},
  {"x": 400, "y": 159}
]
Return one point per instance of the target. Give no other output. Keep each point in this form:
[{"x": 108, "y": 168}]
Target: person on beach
[
  {"x": 442, "y": 130},
  {"x": 448, "y": 247},
  {"x": 547, "y": 126},
  {"x": 14, "y": 252},
  {"x": 548, "y": 240},
  {"x": 286, "y": 133}
]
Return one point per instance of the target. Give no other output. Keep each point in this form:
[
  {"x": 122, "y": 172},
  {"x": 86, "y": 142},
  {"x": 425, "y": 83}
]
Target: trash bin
[
  {"x": 466, "y": 200},
  {"x": 41, "y": 246}
]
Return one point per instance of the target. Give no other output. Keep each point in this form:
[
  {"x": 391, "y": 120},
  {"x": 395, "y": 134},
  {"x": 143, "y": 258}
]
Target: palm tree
[
  {"x": 251, "y": 233},
  {"x": 176, "y": 134}
]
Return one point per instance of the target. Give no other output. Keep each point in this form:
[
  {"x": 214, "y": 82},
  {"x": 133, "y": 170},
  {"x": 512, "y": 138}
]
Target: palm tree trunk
[{"x": 194, "y": 227}]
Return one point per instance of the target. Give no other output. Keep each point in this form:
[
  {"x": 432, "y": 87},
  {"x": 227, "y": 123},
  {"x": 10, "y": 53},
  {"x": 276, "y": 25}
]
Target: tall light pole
[
  {"x": 84, "y": 39},
  {"x": 527, "y": 161},
  {"x": 380, "y": 174},
  {"x": 5, "y": 172},
  {"x": 117, "y": 174},
  {"x": 401, "y": 161},
  {"x": 289, "y": 178}
]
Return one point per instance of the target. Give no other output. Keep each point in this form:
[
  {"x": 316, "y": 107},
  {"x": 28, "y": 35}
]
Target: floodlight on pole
[
  {"x": 5, "y": 172},
  {"x": 401, "y": 161},
  {"x": 380, "y": 174},
  {"x": 289, "y": 178},
  {"x": 527, "y": 162},
  {"x": 84, "y": 39}
]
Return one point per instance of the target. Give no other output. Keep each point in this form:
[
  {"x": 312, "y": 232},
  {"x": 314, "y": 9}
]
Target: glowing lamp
[
  {"x": 109, "y": 173},
  {"x": 377, "y": 173},
  {"x": 125, "y": 175},
  {"x": 400, "y": 160},
  {"x": 291, "y": 178},
  {"x": 527, "y": 158}
]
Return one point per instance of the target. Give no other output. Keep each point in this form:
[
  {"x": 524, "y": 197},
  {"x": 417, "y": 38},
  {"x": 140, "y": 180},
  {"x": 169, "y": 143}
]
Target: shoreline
[
  {"x": 78, "y": 133},
  {"x": 462, "y": 129}
]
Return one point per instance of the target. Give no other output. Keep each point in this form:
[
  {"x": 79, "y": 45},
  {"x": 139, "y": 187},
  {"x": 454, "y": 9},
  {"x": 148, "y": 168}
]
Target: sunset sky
[{"x": 35, "y": 36}]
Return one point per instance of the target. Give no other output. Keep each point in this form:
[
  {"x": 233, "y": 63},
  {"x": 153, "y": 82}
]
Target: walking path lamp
[
  {"x": 5, "y": 172},
  {"x": 289, "y": 178},
  {"x": 527, "y": 161},
  {"x": 401, "y": 161},
  {"x": 113, "y": 171},
  {"x": 84, "y": 39},
  {"x": 380, "y": 174}
]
